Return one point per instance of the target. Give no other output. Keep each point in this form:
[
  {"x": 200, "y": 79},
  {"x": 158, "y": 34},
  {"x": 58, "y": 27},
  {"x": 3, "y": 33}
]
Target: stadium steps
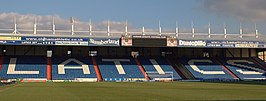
[
  {"x": 227, "y": 69},
  {"x": 259, "y": 62},
  {"x": 142, "y": 69},
  {"x": 49, "y": 69},
  {"x": 156, "y": 66},
  {"x": 188, "y": 75},
  {"x": 97, "y": 70},
  {"x": 1, "y": 62},
  {"x": 176, "y": 69}
]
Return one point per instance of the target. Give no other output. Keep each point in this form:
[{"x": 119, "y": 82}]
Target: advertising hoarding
[
  {"x": 221, "y": 44},
  {"x": 44, "y": 41},
  {"x": 126, "y": 41},
  {"x": 104, "y": 42},
  {"x": 171, "y": 41}
]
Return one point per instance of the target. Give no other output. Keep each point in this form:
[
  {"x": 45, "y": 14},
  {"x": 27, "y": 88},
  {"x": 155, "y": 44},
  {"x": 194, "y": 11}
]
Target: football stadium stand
[
  {"x": 119, "y": 69},
  {"x": 259, "y": 62},
  {"x": 128, "y": 69},
  {"x": 181, "y": 69},
  {"x": 204, "y": 68},
  {"x": 23, "y": 67},
  {"x": 114, "y": 55},
  {"x": 72, "y": 68},
  {"x": 245, "y": 69},
  {"x": 159, "y": 68}
]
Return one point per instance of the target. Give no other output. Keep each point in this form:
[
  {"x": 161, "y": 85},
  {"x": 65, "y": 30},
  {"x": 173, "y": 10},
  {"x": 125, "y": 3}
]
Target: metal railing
[{"x": 109, "y": 33}]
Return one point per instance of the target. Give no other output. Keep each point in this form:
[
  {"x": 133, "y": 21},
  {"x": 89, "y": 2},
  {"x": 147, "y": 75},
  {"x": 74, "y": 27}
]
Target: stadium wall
[{"x": 77, "y": 51}]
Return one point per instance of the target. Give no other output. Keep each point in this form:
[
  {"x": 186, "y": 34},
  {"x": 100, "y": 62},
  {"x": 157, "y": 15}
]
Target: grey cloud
[
  {"x": 26, "y": 21},
  {"x": 253, "y": 10}
]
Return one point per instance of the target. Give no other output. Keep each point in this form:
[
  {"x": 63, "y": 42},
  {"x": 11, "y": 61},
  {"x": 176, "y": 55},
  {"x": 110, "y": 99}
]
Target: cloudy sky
[{"x": 138, "y": 13}]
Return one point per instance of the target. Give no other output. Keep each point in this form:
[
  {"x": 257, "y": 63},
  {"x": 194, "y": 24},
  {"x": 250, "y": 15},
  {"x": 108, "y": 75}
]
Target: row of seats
[
  {"x": 119, "y": 68},
  {"x": 23, "y": 67},
  {"x": 243, "y": 68},
  {"x": 64, "y": 68},
  {"x": 206, "y": 69},
  {"x": 159, "y": 68}
]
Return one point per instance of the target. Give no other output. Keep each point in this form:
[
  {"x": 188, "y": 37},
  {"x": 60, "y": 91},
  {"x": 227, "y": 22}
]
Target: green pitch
[{"x": 128, "y": 91}]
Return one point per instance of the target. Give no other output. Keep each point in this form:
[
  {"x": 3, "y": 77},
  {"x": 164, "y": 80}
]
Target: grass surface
[{"x": 137, "y": 91}]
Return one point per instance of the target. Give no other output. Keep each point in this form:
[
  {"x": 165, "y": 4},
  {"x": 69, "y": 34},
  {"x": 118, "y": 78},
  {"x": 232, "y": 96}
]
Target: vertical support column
[
  {"x": 193, "y": 29},
  {"x": 209, "y": 30},
  {"x": 227, "y": 69},
  {"x": 49, "y": 68},
  {"x": 256, "y": 31},
  {"x": 170, "y": 61},
  {"x": 108, "y": 28},
  {"x": 97, "y": 70},
  {"x": 126, "y": 29},
  {"x": 90, "y": 28},
  {"x": 15, "y": 26},
  {"x": 176, "y": 29},
  {"x": 53, "y": 27},
  {"x": 225, "y": 31},
  {"x": 241, "y": 31},
  {"x": 1, "y": 62},
  {"x": 143, "y": 30},
  {"x": 142, "y": 70},
  {"x": 72, "y": 25},
  {"x": 35, "y": 27},
  {"x": 160, "y": 28}
]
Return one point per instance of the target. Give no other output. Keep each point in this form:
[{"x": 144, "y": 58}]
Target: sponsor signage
[
  {"x": 126, "y": 41},
  {"x": 262, "y": 45},
  {"x": 148, "y": 36},
  {"x": 9, "y": 42},
  {"x": 44, "y": 41},
  {"x": 221, "y": 44},
  {"x": 192, "y": 43},
  {"x": 233, "y": 44},
  {"x": 171, "y": 41},
  {"x": 9, "y": 38},
  {"x": 135, "y": 41},
  {"x": 55, "y": 41},
  {"x": 104, "y": 42}
]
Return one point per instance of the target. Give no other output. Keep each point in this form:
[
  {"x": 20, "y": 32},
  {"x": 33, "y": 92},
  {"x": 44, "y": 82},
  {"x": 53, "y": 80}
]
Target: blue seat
[
  {"x": 24, "y": 64},
  {"x": 208, "y": 69},
  {"x": 72, "y": 73},
  {"x": 110, "y": 73},
  {"x": 165, "y": 66},
  {"x": 245, "y": 69}
]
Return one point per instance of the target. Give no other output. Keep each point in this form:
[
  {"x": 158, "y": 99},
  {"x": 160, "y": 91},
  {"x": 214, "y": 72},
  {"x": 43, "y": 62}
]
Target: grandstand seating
[
  {"x": 260, "y": 62},
  {"x": 23, "y": 67},
  {"x": 64, "y": 68},
  {"x": 244, "y": 68},
  {"x": 159, "y": 68},
  {"x": 119, "y": 69},
  {"x": 203, "y": 68},
  {"x": 115, "y": 69}
]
